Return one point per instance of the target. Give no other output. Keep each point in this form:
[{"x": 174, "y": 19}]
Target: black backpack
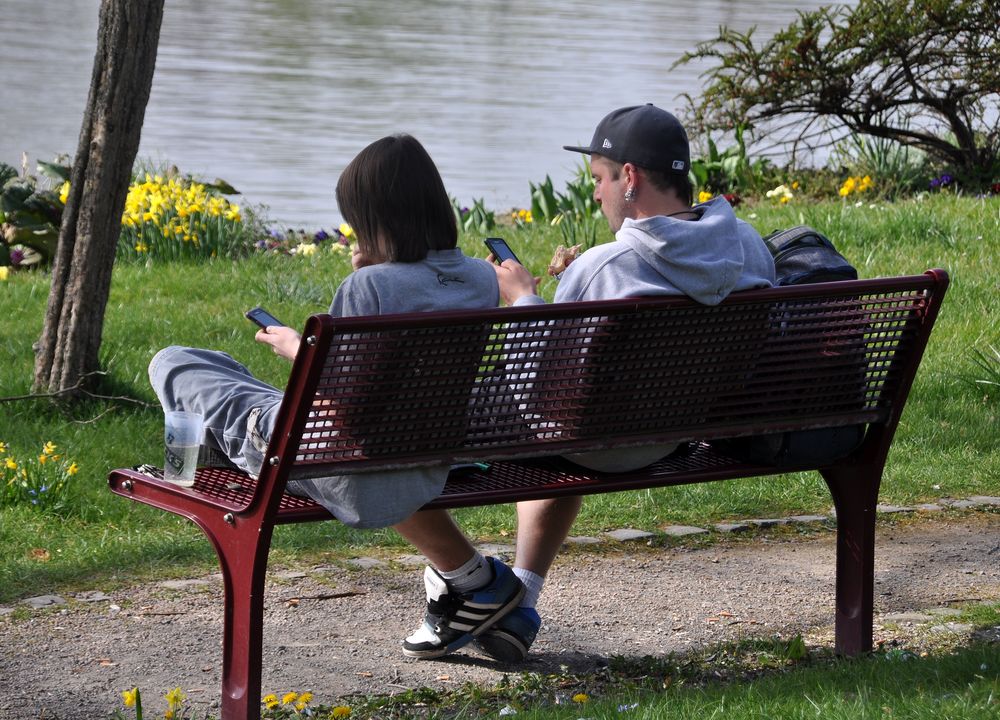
[{"x": 801, "y": 255}]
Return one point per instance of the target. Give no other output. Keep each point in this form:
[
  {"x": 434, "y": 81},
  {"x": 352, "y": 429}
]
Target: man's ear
[{"x": 630, "y": 174}]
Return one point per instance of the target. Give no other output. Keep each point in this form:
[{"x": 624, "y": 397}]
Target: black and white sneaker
[{"x": 454, "y": 619}]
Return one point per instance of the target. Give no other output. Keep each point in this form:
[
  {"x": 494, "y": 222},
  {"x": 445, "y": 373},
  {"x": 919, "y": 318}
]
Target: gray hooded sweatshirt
[{"x": 704, "y": 259}]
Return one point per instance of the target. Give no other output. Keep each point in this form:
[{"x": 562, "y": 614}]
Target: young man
[{"x": 640, "y": 159}]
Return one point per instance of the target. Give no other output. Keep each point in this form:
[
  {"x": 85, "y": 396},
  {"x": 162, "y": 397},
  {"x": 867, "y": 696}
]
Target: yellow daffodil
[
  {"x": 174, "y": 698},
  {"x": 42, "y": 459},
  {"x": 49, "y": 448},
  {"x": 4, "y": 272},
  {"x": 581, "y": 698},
  {"x": 168, "y": 714},
  {"x": 3, "y": 447},
  {"x": 289, "y": 698},
  {"x": 341, "y": 711},
  {"x": 346, "y": 230},
  {"x": 141, "y": 247},
  {"x": 10, "y": 463},
  {"x": 129, "y": 696},
  {"x": 64, "y": 192},
  {"x": 782, "y": 193},
  {"x": 270, "y": 701},
  {"x": 215, "y": 206},
  {"x": 856, "y": 185},
  {"x": 73, "y": 469},
  {"x": 233, "y": 213},
  {"x": 704, "y": 196}
]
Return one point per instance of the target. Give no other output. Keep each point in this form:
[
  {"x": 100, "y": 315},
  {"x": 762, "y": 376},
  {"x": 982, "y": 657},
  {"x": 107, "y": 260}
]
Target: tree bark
[{"x": 67, "y": 354}]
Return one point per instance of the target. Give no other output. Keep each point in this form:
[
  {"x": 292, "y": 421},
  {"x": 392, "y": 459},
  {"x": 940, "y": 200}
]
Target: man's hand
[
  {"x": 283, "y": 340},
  {"x": 515, "y": 281}
]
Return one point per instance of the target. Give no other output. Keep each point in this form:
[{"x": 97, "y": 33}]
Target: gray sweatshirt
[
  {"x": 444, "y": 280},
  {"x": 704, "y": 259}
]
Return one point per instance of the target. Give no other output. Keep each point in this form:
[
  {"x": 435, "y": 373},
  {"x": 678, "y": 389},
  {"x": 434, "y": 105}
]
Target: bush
[
  {"x": 923, "y": 73},
  {"x": 166, "y": 216}
]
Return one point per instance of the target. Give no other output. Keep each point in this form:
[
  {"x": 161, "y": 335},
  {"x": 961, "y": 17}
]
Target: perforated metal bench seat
[{"x": 502, "y": 482}]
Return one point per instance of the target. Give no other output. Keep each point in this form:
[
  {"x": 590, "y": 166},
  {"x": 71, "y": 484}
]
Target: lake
[{"x": 276, "y": 96}]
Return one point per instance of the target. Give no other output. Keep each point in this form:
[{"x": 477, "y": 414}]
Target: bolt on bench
[{"x": 518, "y": 387}]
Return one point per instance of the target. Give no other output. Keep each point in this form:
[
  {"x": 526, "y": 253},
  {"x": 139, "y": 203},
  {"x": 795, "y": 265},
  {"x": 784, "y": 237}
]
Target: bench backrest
[{"x": 385, "y": 392}]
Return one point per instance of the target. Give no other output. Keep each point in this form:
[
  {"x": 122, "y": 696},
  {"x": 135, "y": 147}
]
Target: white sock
[
  {"x": 533, "y": 586},
  {"x": 474, "y": 574}
]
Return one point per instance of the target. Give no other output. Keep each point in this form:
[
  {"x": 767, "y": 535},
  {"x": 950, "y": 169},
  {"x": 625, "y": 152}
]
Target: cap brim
[{"x": 584, "y": 150}]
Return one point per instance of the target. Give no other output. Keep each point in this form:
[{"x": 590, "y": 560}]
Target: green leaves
[
  {"x": 921, "y": 72},
  {"x": 54, "y": 171},
  {"x": 30, "y": 216},
  {"x": 577, "y": 202},
  {"x": 475, "y": 219}
]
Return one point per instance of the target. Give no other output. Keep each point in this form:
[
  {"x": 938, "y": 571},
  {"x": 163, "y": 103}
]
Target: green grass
[
  {"x": 926, "y": 675},
  {"x": 960, "y": 686},
  {"x": 946, "y": 444}
]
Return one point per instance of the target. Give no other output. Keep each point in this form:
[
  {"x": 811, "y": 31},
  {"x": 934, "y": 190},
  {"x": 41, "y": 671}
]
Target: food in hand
[{"x": 562, "y": 257}]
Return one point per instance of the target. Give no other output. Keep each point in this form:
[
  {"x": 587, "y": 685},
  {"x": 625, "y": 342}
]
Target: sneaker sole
[
  {"x": 503, "y": 646},
  {"x": 468, "y": 637}
]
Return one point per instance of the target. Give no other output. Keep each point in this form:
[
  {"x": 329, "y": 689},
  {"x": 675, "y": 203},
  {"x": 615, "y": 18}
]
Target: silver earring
[{"x": 630, "y": 195}]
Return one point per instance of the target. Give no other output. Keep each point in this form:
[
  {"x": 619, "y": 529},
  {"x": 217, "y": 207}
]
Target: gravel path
[{"x": 336, "y": 630}]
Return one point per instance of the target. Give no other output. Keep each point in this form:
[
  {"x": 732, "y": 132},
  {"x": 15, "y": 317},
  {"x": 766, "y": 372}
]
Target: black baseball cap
[{"x": 644, "y": 135}]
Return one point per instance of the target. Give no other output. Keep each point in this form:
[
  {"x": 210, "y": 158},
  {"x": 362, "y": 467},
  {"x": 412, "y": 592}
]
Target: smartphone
[
  {"x": 263, "y": 318},
  {"x": 501, "y": 250}
]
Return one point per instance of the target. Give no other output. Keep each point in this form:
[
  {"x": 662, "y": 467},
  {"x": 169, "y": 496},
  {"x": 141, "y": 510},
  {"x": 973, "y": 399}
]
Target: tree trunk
[{"x": 127, "y": 39}]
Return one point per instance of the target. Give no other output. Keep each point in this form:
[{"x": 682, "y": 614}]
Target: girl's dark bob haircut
[{"x": 393, "y": 197}]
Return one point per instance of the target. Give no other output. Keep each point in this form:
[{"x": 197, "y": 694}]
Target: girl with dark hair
[{"x": 407, "y": 260}]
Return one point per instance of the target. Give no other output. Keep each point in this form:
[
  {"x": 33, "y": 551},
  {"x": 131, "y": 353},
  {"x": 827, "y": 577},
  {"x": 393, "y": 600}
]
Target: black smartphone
[
  {"x": 501, "y": 250},
  {"x": 263, "y": 318}
]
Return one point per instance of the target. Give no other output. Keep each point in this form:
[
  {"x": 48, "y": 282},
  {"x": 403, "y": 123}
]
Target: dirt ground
[{"x": 337, "y": 630}]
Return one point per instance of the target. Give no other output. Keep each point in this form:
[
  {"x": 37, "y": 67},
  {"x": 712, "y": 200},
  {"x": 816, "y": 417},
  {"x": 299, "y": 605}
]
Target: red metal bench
[{"x": 518, "y": 387}]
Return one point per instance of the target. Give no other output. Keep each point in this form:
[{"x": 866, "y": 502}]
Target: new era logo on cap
[
  {"x": 607, "y": 144},
  {"x": 678, "y": 165}
]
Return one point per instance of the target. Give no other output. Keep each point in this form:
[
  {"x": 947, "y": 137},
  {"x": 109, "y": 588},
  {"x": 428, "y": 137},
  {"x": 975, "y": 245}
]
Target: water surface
[{"x": 276, "y": 96}]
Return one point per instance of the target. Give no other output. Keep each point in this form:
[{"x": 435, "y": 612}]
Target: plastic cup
[{"x": 182, "y": 433}]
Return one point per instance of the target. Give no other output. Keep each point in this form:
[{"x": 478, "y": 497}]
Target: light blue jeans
[{"x": 240, "y": 412}]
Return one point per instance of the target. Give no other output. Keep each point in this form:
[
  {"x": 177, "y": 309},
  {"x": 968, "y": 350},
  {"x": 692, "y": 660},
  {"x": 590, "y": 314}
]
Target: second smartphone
[{"x": 501, "y": 250}]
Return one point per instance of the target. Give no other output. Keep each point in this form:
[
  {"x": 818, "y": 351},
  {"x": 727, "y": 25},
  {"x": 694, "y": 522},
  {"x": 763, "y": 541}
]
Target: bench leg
[
  {"x": 243, "y": 571},
  {"x": 855, "y": 494}
]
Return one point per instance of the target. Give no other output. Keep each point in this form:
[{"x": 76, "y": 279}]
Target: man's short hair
[{"x": 662, "y": 181}]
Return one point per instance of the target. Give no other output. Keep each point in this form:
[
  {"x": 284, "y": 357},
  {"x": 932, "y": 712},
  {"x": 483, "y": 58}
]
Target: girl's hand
[
  {"x": 359, "y": 259},
  {"x": 283, "y": 340},
  {"x": 514, "y": 280}
]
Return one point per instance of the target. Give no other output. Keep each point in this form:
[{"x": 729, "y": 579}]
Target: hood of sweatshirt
[{"x": 704, "y": 259}]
